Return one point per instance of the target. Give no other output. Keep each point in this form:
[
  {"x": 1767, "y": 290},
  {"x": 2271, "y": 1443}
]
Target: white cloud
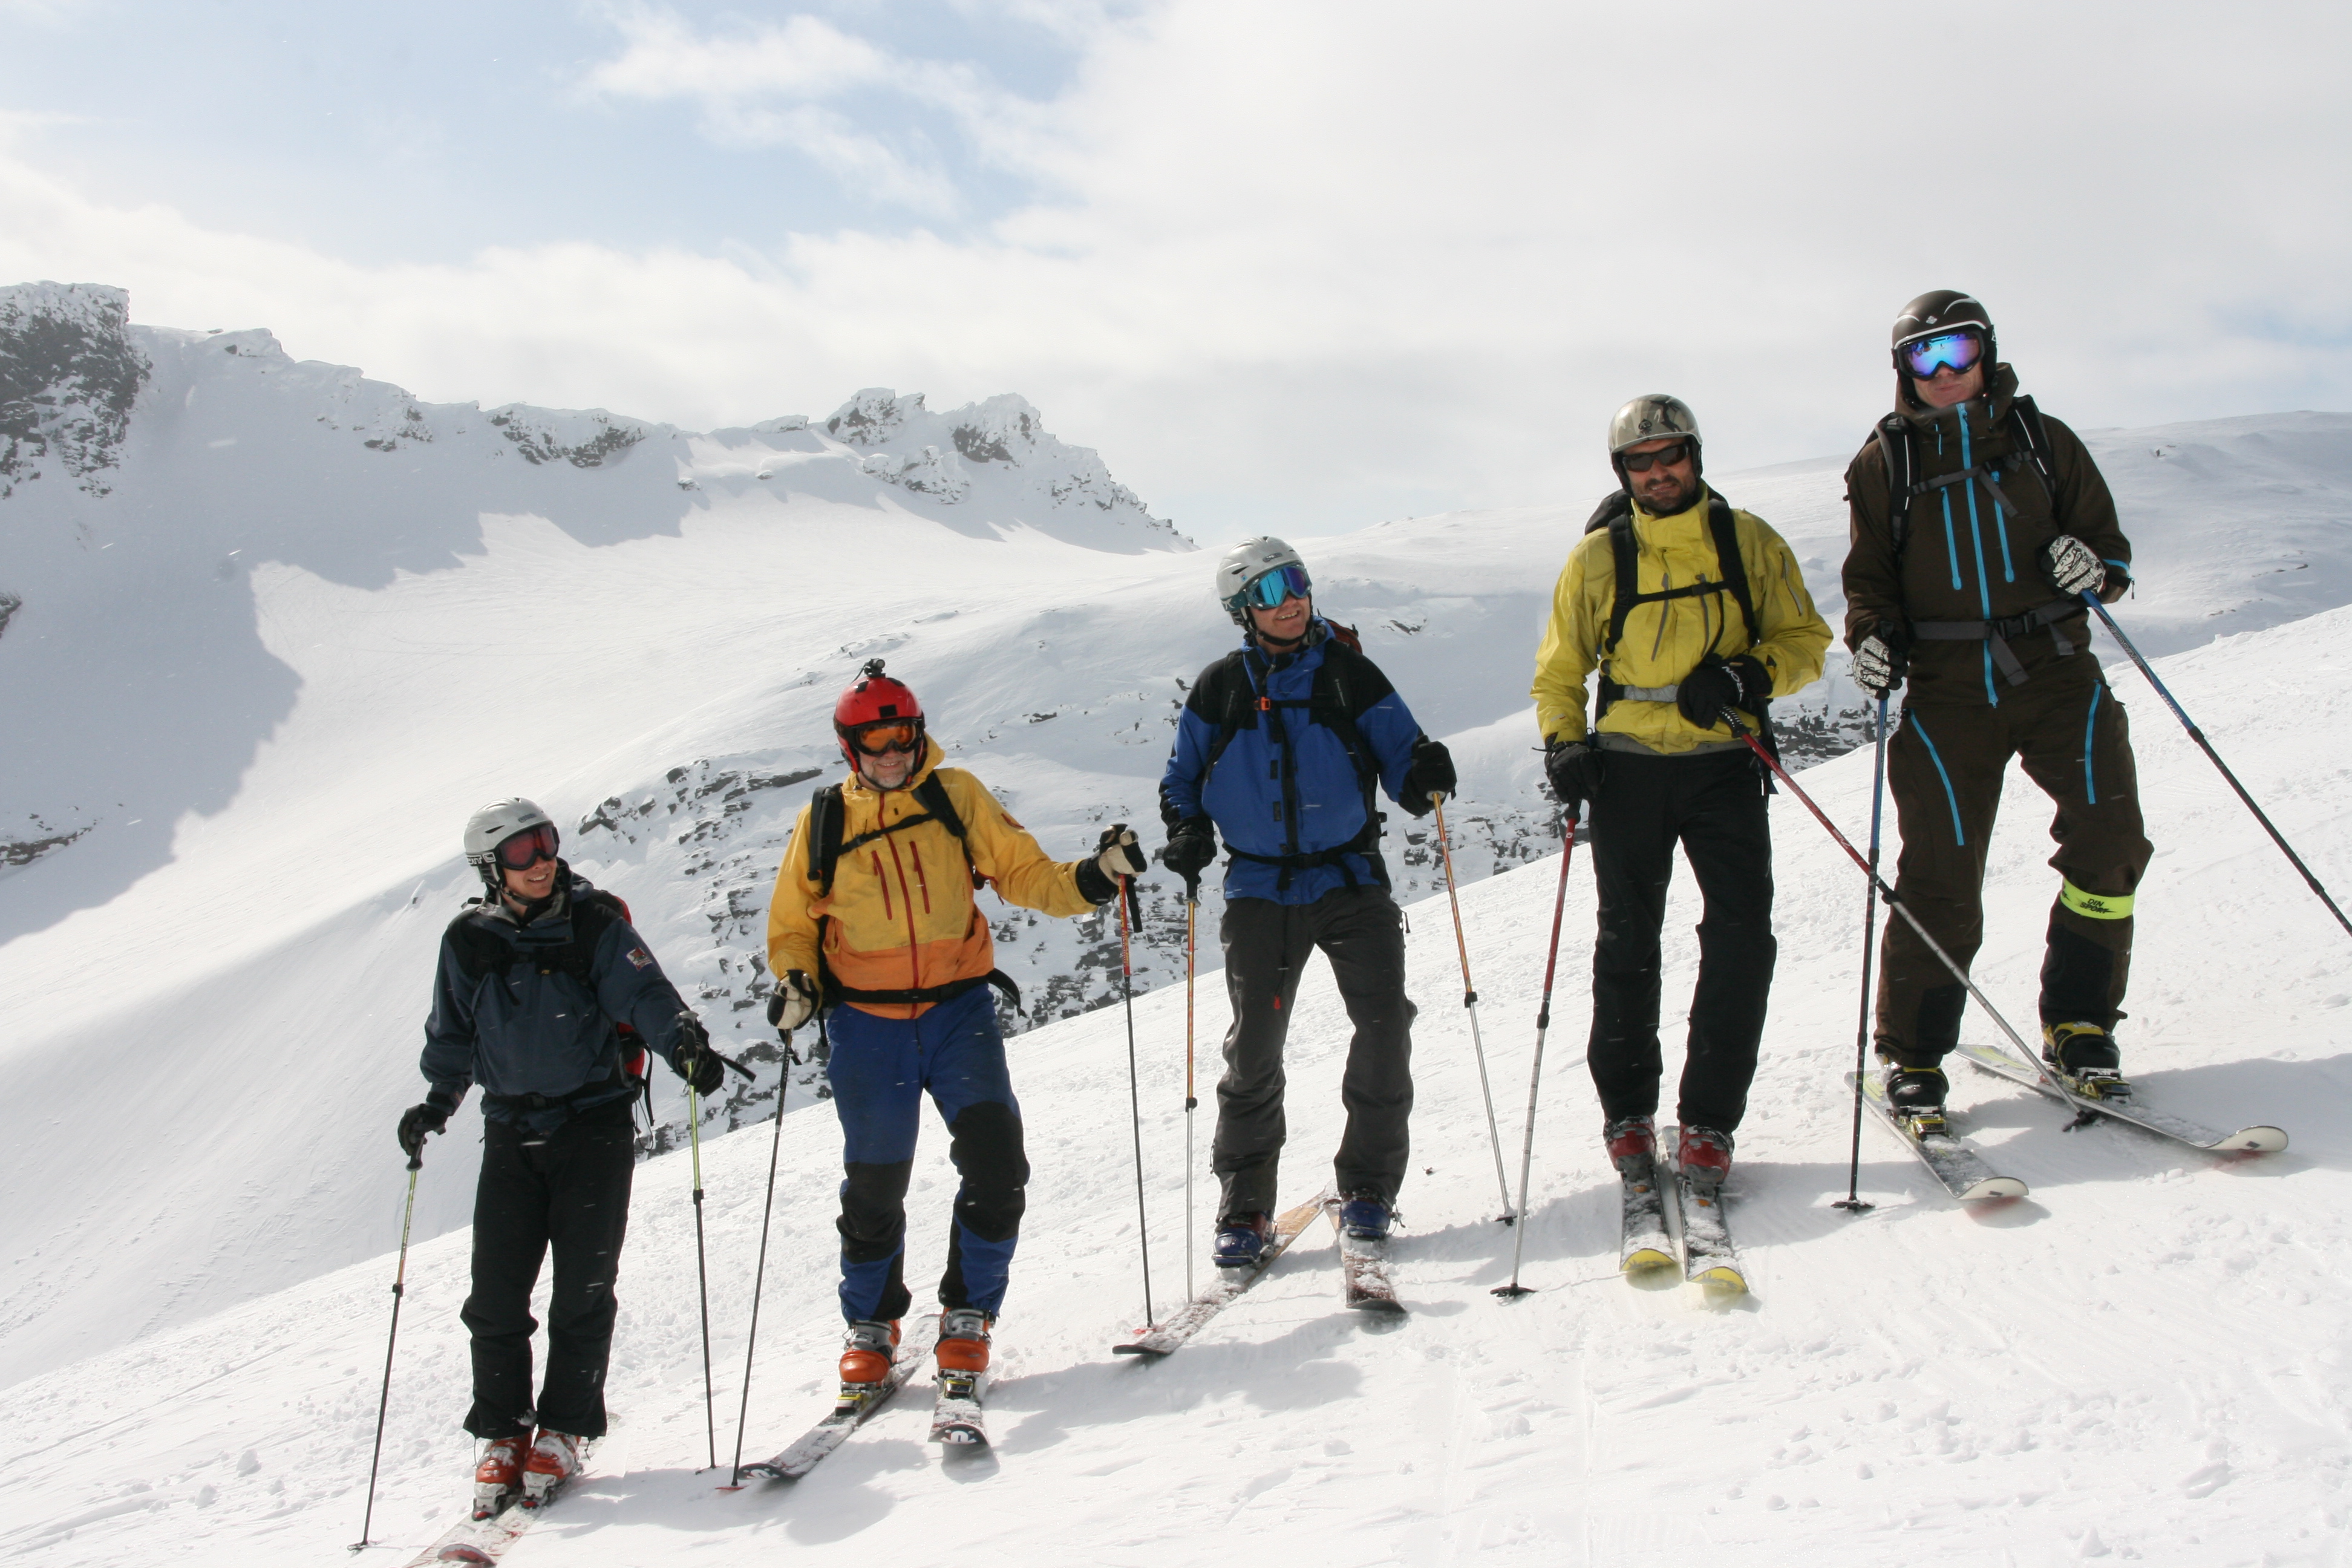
[{"x": 1308, "y": 263}]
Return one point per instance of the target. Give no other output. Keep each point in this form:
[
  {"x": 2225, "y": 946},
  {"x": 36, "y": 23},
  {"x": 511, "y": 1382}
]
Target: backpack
[
  {"x": 480, "y": 952},
  {"x": 1343, "y": 685},
  {"x": 1615, "y": 513},
  {"x": 827, "y": 814}
]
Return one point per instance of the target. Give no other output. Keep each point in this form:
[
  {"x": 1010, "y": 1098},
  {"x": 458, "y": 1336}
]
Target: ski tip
[
  {"x": 1644, "y": 1259},
  {"x": 1380, "y": 1307},
  {"x": 1721, "y": 1280},
  {"x": 1152, "y": 1353},
  {"x": 1994, "y": 1187},
  {"x": 757, "y": 1473},
  {"x": 2253, "y": 1141}
]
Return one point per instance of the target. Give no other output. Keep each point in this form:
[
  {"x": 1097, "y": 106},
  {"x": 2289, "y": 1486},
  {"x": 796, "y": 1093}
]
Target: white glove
[
  {"x": 794, "y": 1002},
  {"x": 2073, "y": 567},
  {"x": 1118, "y": 855},
  {"x": 1878, "y": 667}
]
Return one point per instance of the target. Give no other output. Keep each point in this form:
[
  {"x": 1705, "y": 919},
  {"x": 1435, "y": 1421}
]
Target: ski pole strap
[{"x": 1999, "y": 633}]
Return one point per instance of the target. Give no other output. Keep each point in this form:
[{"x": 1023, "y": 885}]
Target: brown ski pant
[{"x": 1945, "y": 768}]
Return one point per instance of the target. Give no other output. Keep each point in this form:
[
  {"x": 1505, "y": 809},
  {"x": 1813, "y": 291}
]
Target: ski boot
[
  {"x": 1241, "y": 1240},
  {"x": 865, "y": 1358},
  {"x": 1632, "y": 1145},
  {"x": 1916, "y": 1095},
  {"x": 961, "y": 1353},
  {"x": 554, "y": 1459},
  {"x": 1704, "y": 1156},
  {"x": 498, "y": 1476},
  {"x": 2087, "y": 1058},
  {"x": 1365, "y": 1217}
]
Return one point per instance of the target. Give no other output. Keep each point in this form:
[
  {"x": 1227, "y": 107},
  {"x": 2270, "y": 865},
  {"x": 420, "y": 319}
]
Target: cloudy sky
[{"x": 1286, "y": 264}]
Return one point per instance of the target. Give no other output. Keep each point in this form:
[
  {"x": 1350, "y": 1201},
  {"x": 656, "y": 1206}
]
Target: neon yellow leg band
[{"x": 2094, "y": 906}]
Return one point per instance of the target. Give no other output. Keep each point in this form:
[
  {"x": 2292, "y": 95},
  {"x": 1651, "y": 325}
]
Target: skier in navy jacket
[
  {"x": 546, "y": 997},
  {"x": 1283, "y": 746}
]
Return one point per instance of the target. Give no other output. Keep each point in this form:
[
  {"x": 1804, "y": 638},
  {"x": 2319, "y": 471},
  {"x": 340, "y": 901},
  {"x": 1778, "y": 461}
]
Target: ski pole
[
  {"x": 2207, "y": 746},
  {"x": 399, "y": 1288},
  {"x": 1514, "y": 1291},
  {"x": 759, "y": 1274},
  {"x": 1470, "y": 1002},
  {"x": 1853, "y": 1202},
  {"x": 701, "y": 1267},
  {"x": 1134, "y": 1090},
  {"x": 1192, "y": 1100},
  {"x": 1893, "y": 900}
]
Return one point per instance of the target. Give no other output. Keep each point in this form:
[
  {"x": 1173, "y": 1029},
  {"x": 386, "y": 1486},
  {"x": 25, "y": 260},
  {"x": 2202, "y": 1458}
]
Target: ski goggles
[
  {"x": 528, "y": 847},
  {"x": 890, "y": 735},
  {"x": 1639, "y": 462},
  {"x": 1957, "y": 352},
  {"x": 1283, "y": 582}
]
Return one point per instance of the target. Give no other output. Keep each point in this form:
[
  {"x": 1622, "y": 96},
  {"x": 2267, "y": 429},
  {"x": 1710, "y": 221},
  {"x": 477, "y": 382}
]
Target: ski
[
  {"x": 1643, "y": 1243},
  {"x": 1953, "y": 1159},
  {"x": 956, "y": 1418},
  {"x": 849, "y": 1412},
  {"x": 1709, "y": 1258},
  {"x": 479, "y": 1540},
  {"x": 2255, "y": 1140},
  {"x": 1166, "y": 1338},
  {"x": 1364, "y": 1270}
]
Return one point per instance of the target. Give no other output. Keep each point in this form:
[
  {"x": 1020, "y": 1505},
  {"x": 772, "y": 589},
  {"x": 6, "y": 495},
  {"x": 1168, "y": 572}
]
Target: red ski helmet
[{"x": 874, "y": 699}]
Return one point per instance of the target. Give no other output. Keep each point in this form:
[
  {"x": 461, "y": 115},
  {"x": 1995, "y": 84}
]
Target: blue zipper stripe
[
  {"x": 1951, "y": 546},
  {"x": 1976, "y": 533},
  {"x": 2000, "y": 523},
  {"x": 2090, "y": 785},
  {"x": 1911, "y": 720}
]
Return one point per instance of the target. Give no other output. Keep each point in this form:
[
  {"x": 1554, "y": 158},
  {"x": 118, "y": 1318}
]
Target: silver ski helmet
[
  {"x": 1652, "y": 416},
  {"x": 1934, "y": 314},
  {"x": 1246, "y": 564},
  {"x": 493, "y": 825}
]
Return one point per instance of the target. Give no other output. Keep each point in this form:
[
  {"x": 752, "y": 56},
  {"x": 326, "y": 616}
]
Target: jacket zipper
[{"x": 914, "y": 955}]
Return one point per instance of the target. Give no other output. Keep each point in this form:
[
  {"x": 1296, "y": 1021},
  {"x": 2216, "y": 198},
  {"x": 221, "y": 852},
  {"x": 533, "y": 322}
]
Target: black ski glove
[
  {"x": 2073, "y": 567},
  {"x": 1191, "y": 844},
  {"x": 1720, "y": 683},
  {"x": 1430, "y": 775},
  {"x": 1574, "y": 768},
  {"x": 691, "y": 1058},
  {"x": 433, "y": 1116},
  {"x": 1881, "y": 659}
]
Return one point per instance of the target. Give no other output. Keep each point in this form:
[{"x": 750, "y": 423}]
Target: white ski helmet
[
  {"x": 493, "y": 825},
  {"x": 1244, "y": 564}
]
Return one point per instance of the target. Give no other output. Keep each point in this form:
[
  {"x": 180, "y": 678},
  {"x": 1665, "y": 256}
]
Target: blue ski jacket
[
  {"x": 1282, "y": 752},
  {"x": 511, "y": 1012}
]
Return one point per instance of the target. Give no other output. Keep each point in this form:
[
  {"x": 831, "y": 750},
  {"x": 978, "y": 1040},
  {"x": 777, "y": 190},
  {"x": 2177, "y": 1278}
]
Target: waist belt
[
  {"x": 1366, "y": 843},
  {"x": 1649, "y": 693},
  {"x": 947, "y": 993},
  {"x": 606, "y": 1085},
  {"x": 1997, "y": 634}
]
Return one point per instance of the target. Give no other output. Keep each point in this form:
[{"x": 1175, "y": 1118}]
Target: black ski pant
[
  {"x": 568, "y": 1189},
  {"x": 1361, "y": 933},
  {"x": 1945, "y": 768},
  {"x": 1713, "y": 805}
]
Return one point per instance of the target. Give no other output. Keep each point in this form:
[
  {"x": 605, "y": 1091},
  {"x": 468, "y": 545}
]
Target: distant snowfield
[{"x": 2145, "y": 1360}]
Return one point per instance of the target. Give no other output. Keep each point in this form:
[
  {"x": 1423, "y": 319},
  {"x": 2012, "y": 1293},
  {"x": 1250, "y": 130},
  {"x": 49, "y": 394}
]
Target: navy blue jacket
[
  {"x": 1288, "y": 787},
  {"x": 527, "y": 1028}
]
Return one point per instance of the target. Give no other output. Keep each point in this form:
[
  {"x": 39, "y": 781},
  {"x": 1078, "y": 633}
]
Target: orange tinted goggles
[{"x": 881, "y": 740}]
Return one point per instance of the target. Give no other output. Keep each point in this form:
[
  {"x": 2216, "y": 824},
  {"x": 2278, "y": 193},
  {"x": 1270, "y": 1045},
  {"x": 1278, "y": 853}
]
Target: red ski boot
[{"x": 498, "y": 1474}]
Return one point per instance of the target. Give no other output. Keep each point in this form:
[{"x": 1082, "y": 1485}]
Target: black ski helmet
[{"x": 1931, "y": 314}]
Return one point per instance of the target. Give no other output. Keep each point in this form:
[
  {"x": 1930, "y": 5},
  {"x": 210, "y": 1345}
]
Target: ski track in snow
[{"x": 2145, "y": 1360}]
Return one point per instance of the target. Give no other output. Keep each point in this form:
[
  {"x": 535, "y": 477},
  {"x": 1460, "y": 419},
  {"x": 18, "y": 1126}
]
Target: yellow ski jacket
[
  {"x": 1665, "y": 640},
  {"x": 902, "y": 915}
]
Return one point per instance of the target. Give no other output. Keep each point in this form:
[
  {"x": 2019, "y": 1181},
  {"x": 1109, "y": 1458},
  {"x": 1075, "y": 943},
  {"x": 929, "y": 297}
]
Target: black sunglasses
[{"x": 1639, "y": 462}]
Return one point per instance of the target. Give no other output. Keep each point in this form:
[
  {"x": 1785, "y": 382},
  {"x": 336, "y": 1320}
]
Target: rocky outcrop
[{"x": 68, "y": 376}]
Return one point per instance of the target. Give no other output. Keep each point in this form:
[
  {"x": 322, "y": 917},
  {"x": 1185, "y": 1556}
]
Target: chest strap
[{"x": 1997, "y": 634}]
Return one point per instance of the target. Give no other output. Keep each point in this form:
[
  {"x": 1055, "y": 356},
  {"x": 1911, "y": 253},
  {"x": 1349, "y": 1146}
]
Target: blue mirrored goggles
[
  {"x": 1283, "y": 582},
  {"x": 1959, "y": 351}
]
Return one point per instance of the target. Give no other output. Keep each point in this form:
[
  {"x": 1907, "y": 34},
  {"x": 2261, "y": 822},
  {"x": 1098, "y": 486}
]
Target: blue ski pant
[{"x": 880, "y": 1069}]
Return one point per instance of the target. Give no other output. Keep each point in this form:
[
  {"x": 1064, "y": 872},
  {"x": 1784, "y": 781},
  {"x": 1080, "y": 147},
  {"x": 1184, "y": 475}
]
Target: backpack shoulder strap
[
  {"x": 591, "y": 912},
  {"x": 1224, "y": 698},
  {"x": 1625, "y": 556},
  {"x": 1729, "y": 561},
  {"x": 1896, "y": 443},
  {"x": 1344, "y": 685},
  {"x": 932, "y": 795},
  {"x": 825, "y": 812},
  {"x": 479, "y": 951},
  {"x": 2033, "y": 435}
]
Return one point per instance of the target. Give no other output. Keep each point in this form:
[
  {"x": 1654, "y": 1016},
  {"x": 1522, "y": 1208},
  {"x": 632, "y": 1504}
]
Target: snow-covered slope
[
  {"x": 2146, "y": 1360},
  {"x": 275, "y": 643}
]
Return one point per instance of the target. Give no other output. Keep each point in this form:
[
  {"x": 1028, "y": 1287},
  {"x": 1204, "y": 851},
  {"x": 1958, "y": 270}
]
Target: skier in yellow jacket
[
  {"x": 873, "y": 919},
  {"x": 1687, "y": 608}
]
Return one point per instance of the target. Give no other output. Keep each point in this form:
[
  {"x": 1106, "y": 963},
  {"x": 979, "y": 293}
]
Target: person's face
[
  {"x": 888, "y": 770},
  {"x": 1949, "y": 386},
  {"x": 534, "y": 881},
  {"x": 891, "y": 767},
  {"x": 1670, "y": 481},
  {"x": 1287, "y": 622}
]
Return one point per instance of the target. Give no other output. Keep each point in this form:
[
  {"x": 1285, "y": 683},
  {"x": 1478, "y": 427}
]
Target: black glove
[
  {"x": 2073, "y": 567},
  {"x": 1720, "y": 683},
  {"x": 433, "y": 1116},
  {"x": 1430, "y": 775},
  {"x": 1883, "y": 657},
  {"x": 1117, "y": 854},
  {"x": 691, "y": 1058},
  {"x": 1574, "y": 768},
  {"x": 1191, "y": 844},
  {"x": 794, "y": 1002}
]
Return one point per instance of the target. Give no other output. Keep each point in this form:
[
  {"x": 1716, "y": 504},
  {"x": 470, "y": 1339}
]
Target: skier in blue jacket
[
  {"x": 1283, "y": 746},
  {"x": 546, "y": 997}
]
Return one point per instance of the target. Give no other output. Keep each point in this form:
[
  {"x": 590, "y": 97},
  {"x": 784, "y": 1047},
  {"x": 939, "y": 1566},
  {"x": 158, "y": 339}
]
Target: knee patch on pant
[
  {"x": 986, "y": 1148},
  {"x": 873, "y": 1220}
]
